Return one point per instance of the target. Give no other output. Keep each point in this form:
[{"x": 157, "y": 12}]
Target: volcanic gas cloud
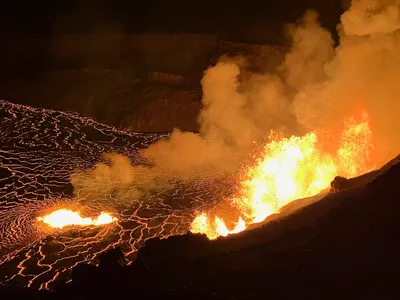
[{"x": 283, "y": 135}]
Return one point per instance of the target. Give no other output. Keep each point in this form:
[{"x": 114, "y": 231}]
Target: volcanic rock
[
  {"x": 112, "y": 261},
  {"x": 342, "y": 184},
  {"x": 346, "y": 241},
  {"x": 143, "y": 82}
]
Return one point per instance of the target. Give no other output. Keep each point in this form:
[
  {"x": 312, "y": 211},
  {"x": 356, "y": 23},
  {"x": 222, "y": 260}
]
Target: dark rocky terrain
[
  {"x": 137, "y": 65},
  {"x": 143, "y": 73},
  {"x": 345, "y": 245},
  {"x": 139, "y": 82}
]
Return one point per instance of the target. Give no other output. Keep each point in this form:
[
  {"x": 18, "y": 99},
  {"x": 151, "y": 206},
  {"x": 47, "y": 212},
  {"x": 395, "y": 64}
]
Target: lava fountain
[
  {"x": 64, "y": 217},
  {"x": 292, "y": 168}
]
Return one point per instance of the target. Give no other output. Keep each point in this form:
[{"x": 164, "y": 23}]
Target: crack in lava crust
[{"x": 40, "y": 149}]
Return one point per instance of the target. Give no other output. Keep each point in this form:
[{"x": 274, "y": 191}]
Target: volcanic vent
[
  {"x": 287, "y": 169},
  {"x": 265, "y": 140}
]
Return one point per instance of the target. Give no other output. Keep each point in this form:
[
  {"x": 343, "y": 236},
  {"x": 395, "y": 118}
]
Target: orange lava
[
  {"x": 65, "y": 217},
  {"x": 292, "y": 168}
]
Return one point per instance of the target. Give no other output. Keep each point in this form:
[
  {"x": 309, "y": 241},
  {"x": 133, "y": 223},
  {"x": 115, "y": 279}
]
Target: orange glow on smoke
[
  {"x": 292, "y": 168},
  {"x": 65, "y": 217}
]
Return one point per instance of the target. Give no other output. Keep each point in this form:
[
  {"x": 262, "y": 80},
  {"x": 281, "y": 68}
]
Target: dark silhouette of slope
[
  {"x": 345, "y": 245},
  {"x": 346, "y": 241},
  {"x": 342, "y": 184}
]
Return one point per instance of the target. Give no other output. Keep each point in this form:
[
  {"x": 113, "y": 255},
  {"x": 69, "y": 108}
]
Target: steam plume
[
  {"x": 316, "y": 85},
  {"x": 363, "y": 72}
]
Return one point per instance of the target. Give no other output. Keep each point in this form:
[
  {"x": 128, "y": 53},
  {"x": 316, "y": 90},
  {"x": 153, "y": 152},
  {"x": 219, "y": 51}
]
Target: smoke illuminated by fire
[
  {"x": 64, "y": 217},
  {"x": 313, "y": 88},
  {"x": 293, "y": 168},
  {"x": 287, "y": 108}
]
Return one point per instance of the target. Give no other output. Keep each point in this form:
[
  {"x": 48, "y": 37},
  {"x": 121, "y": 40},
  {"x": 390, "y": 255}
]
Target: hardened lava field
[{"x": 40, "y": 149}]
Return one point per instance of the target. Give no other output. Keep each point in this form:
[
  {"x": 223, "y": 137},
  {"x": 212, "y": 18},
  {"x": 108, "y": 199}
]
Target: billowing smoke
[
  {"x": 315, "y": 86},
  {"x": 362, "y": 73}
]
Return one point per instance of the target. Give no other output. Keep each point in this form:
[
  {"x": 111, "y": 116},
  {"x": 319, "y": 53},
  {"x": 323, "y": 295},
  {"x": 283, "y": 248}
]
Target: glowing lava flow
[
  {"x": 65, "y": 217},
  {"x": 290, "y": 169}
]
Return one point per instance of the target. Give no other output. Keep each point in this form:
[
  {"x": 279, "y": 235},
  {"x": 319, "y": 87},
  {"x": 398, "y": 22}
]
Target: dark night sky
[{"x": 247, "y": 21}]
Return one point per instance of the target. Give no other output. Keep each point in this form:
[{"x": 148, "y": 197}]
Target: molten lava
[
  {"x": 292, "y": 168},
  {"x": 65, "y": 217}
]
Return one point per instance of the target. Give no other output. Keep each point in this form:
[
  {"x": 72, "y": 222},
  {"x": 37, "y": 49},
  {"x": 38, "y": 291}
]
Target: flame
[
  {"x": 65, "y": 217},
  {"x": 292, "y": 168}
]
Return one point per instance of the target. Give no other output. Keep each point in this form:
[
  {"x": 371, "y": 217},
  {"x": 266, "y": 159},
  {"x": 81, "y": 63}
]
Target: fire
[
  {"x": 292, "y": 168},
  {"x": 65, "y": 217}
]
